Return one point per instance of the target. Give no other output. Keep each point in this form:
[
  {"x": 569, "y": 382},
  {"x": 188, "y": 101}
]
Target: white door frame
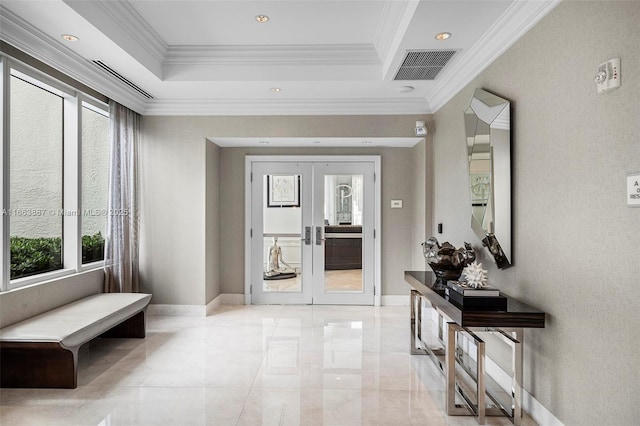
[{"x": 375, "y": 159}]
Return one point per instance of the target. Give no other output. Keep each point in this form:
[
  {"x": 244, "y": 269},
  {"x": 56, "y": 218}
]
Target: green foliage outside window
[
  {"x": 30, "y": 256},
  {"x": 92, "y": 248}
]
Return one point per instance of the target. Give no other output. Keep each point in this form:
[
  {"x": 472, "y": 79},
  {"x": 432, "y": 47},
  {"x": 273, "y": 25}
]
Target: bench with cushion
[{"x": 42, "y": 351}]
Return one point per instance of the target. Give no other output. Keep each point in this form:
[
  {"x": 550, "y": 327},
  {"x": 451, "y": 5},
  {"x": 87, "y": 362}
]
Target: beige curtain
[{"x": 121, "y": 246}]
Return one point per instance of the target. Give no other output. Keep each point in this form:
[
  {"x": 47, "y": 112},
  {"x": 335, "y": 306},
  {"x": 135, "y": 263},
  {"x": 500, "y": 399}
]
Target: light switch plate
[{"x": 396, "y": 204}]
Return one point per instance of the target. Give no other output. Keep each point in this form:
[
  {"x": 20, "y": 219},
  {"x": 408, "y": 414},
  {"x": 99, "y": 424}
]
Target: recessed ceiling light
[
  {"x": 366, "y": 142},
  {"x": 262, "y": 18},
  {"x": 69, "y": 37},
  {"x": 276, "y": 89},
  {"x": 264, "y": 142},
  {"x": 442, "y": 36},
  {"x": 316, "y": 142},
  {"x": 406, "y": 89}
]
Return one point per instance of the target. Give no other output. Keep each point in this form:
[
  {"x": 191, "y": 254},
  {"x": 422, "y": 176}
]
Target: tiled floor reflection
[{"x": 254, "y": 365}]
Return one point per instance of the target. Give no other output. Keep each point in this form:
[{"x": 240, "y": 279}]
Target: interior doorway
[{"x": 311, "y": 230}]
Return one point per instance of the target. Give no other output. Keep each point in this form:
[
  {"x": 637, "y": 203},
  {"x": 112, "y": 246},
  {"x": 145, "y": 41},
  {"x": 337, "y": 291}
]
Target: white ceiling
[{"x": 213, "y": 58}]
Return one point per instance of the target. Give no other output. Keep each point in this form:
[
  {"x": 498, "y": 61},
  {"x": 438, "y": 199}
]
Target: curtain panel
[{"x": 121, "y": 245}]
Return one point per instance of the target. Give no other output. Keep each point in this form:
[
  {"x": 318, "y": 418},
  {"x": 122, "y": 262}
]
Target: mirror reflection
[
  {"x": 488, "y": 139},
  {"x": 343, "y": 210}
]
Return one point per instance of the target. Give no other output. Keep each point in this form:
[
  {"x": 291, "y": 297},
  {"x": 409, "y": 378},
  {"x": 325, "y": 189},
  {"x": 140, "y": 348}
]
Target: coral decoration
[{"x": 475, "y": 275}]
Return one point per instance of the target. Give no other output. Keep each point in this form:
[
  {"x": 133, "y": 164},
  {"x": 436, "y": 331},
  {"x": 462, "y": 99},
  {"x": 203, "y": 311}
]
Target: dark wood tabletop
[{"x": 517, "y": 315}]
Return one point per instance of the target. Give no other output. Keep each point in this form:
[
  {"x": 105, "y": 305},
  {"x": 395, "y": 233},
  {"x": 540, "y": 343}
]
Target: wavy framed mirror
[{"x": 488, "y": 137}]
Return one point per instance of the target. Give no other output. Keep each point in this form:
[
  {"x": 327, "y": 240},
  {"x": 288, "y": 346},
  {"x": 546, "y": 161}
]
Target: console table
[{"x": 507, "y": 325}]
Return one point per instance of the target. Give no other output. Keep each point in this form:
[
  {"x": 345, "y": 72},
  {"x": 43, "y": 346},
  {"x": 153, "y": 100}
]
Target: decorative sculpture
[
  {"x": 276, "y": 272},
  {"x": 475, "y": 276},
  {"x": 446, "y": 261}
]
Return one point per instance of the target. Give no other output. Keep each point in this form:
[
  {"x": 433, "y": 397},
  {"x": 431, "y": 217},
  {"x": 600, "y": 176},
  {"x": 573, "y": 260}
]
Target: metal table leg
[{"x": 453, "y": 409}]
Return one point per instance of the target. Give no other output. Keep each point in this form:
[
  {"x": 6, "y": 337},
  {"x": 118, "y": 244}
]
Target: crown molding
[
  {"x": 519, "y": 18},
  {"x": 397, "y": 106},
  {"x": 127, "y": 19},
  {"x": 350, "y": 54},
  {"x": 24, "y": 36},
  {"x": 389, "y": 25},
  {"x": 396, "y": 36}
]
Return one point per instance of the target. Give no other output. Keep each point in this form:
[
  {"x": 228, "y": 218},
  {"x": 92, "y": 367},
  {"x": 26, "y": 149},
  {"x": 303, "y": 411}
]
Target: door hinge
[
  {"x": 251, "y": 177},
  {"x": 374, "y": 234},
  {"x": 374, "y": 177},
  {"x": 374, "y": 291},
  {"x": 251, "y": 233},
  {"x": 251, "y": 289}
]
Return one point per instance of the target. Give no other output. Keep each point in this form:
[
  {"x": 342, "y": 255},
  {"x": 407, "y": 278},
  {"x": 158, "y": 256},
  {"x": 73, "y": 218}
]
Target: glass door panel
[
  {"x": 281, "y": 207},
  {"x": 343, "y": 258},
  {"x": 343, "y": 233}
]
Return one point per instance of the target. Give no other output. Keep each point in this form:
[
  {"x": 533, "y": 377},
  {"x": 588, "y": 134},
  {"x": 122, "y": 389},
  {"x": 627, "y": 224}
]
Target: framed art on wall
[{"x": 283, "y": 191}]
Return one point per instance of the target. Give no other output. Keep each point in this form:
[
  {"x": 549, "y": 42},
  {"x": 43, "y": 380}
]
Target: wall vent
[
  {"x": 423, "y": 64},
  {"x": 126, "y": 81}
]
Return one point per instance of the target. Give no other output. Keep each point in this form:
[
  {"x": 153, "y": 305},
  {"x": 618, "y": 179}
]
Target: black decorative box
[{"x": 476, "y": 303}]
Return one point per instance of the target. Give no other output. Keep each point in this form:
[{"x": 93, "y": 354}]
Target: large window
[
  {"x": 55, "y": 162},
  {"x": 36, "y": 149}
]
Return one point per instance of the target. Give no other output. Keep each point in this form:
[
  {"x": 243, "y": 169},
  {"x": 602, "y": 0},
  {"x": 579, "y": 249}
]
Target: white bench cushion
[{"x": 78, "y": 322}]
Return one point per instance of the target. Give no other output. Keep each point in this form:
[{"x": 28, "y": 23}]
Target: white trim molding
[
  {"x": 224, "y": 299},
  {"x": 24, "y": 36},
  {"x": 305, "y": 106},
  {"x": 177, "y": 310},
  {"x": 230, "y": 299},
  {"x": 532, "y": 406},
  {"x": 120, "y": 22},
  {"x": 394, "y": 300},
  {"x": 519, "y": 18},
  {"x": 256, "y": 55}
]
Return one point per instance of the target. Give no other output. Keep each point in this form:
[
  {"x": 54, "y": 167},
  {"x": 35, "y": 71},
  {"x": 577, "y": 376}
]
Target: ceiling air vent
[
  {"x": 126, "y": 81},
  {"x": 423, "y": 64}
]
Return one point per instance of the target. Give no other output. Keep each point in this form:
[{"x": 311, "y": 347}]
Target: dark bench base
[{"x": 49, "y": 364}]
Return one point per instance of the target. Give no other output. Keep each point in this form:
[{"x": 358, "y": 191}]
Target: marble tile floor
[
  {"x": 250, "y": 365},
  {"x": 334, "y": 281}
]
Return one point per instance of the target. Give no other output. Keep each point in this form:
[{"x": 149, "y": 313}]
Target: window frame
[
  {"x": 103, "y": 109},
  {"x": 73, "y": 101}
]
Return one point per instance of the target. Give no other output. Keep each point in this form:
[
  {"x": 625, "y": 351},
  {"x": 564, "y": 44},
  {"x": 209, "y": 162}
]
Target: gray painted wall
[
  {"x": 575, "y": 241},
  {"x": 178, "y": 191},
  {"x": 172, "y": 210}
]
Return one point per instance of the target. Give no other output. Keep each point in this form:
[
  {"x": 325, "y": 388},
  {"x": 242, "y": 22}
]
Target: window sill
[
  {"x": 40, "y": 278},
  {"x": 90, "y": 266}
]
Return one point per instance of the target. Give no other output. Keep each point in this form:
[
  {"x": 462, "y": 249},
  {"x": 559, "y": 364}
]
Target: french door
[{"x": 312, "y": 232}]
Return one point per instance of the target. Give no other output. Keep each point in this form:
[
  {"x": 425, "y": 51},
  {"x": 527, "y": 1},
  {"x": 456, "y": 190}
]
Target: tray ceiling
[{"x": 213, "y": 57}]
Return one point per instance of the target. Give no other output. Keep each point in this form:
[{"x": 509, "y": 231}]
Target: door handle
[
  {"x": 319, "y": 238},
  {"x": 307, "y": 235}
]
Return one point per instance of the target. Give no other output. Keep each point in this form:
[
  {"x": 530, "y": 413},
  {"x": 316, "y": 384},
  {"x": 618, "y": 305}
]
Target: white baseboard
[
  {"x": 395, "y": 300},
  {"x": 196, "y": 310},
  {"x": 232, "y": 299},
  {"x": 532, "y": 406},
  {"x": 538, "y": 412},
  {"x": 177, "y": 310},
  {"x": 213, "y": 305}
]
